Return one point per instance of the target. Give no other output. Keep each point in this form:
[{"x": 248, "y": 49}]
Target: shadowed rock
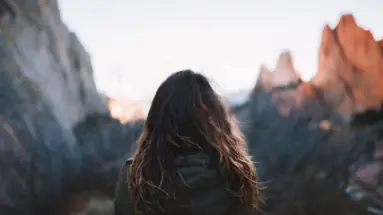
[
  {"x": 98, "y": 134},
  {"x": 6, "y": 8},
  {"x": 46, "y": 87},
  {"x": 105, "y": 144},
  {"x": 39, "y": 155},
  {"x": 303, "y": 164}
]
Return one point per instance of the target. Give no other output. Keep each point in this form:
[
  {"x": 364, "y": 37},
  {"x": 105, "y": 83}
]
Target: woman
[{"x": 191, "y": 157}]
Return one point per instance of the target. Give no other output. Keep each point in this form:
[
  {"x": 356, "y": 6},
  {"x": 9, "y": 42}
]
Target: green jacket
[{"x": 206, "y": 196}]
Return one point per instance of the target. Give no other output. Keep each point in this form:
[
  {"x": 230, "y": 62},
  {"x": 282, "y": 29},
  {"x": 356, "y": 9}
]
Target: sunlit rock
[
  {"x": 284, "y": 74},
  {"x": 350, "y": 68}
]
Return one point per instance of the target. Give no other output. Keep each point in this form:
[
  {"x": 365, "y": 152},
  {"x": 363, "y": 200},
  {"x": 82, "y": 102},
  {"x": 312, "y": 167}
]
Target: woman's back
[
  {"x": 202, "y": 191},
  {"x": 190, "y": 158}
]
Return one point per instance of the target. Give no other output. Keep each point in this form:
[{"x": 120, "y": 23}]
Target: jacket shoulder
[
  {"x": 122, "y": 196},
  {"x": 129, "y": 162}
]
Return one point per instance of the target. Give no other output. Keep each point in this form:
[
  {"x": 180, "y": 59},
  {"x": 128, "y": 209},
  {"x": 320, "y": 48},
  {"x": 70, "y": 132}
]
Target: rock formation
[
  {"x": 284, "y": 74},
  {"x": 58, "y": 144},
  {"x": 283, "y": 78},
  {"x": 350, "y": 68},
  {"x": 287, "y": 92},
  {"x": 347, "y": 82},
  {"x": 294, "y": 129},
  {"x": 39, "y": 44}
]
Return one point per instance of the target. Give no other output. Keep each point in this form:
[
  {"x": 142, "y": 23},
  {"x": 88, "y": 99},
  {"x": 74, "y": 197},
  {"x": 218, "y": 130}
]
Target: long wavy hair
[{"x": 187, "y": 115}]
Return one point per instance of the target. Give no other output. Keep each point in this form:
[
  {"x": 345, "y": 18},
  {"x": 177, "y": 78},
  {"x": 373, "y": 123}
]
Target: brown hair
[{"x": 187, "y": 114}]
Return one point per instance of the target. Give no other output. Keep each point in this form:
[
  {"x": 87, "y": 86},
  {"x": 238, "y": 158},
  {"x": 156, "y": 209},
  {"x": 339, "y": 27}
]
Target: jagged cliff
[
  {"x": 350, "y": 69},
  {"x": 42, "y": 49},
  {"x": 284, "y": 74},
  {"x": 308, "y": 135},
  {"x": 58, "y": 144}
]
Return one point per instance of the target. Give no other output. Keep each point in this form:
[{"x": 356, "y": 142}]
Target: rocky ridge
[
  {"x": 339, "y": 109},
  {"x": 58, "y": 142}
]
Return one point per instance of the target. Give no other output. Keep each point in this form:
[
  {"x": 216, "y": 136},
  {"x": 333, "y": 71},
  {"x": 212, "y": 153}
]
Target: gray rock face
[
  {"x": 50, "y": 56},
  {"x": 46, "y": 87}
]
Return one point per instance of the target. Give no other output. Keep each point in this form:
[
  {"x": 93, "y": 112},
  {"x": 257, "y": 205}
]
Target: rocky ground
[{"x": 61, "y": 151}]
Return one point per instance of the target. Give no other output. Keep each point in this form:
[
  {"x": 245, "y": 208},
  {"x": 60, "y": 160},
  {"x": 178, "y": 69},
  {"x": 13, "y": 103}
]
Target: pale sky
[{"x": 136, "y": 44}]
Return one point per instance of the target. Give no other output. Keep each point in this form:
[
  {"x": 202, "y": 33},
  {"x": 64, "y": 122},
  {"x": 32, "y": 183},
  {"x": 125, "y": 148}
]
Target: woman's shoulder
[
  {"x": 122, "y": 191},
  {"x": 128, "y": 163},
  {"x": 125, "y": 169}
]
